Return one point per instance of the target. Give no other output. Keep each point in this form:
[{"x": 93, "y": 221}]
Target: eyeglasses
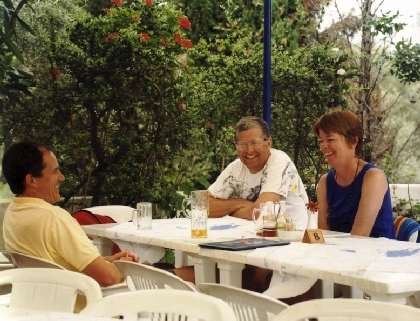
[{"x": 255, "y": 143}]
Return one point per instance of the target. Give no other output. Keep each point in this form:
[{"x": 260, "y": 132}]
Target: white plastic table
[{"x": 387, "y": 270}]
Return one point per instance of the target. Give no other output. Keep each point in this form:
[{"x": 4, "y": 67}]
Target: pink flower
[
  {"x": 184, "y": 23},
  {"x": 118, "y": 3}
]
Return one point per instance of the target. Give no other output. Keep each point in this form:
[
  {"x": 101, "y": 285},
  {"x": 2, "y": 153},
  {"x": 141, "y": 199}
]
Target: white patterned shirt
[{"x": 279, "y": 176}]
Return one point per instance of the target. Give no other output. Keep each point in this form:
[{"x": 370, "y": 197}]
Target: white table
[{"x": 387, "y": 270}]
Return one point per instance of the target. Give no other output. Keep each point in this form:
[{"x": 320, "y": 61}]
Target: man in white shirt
[{"x": 259, "y": 175}]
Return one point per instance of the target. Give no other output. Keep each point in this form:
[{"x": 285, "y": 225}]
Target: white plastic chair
[
  {"x": 46, "y": 289},
  {"x": 348, "y": 309},
  {"x": 161, "y": 304},
  {"x": 247, "y": 305},
  {"x": 20, "y": 260},
  {"x": 144, "y": 277},
  {"x": 119, "y": 213}
]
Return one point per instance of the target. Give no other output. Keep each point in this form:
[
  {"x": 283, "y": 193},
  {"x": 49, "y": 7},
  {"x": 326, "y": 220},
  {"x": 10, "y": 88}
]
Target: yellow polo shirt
[{"x": 35, "y": 227}]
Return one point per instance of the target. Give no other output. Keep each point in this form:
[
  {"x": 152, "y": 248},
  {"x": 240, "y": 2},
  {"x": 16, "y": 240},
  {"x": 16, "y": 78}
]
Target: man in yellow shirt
[{"x": 32, "y": 225}]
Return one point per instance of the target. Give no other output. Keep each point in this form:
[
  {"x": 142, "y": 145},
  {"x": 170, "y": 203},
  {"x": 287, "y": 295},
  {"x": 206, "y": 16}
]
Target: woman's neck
[{"x": 346, "y": 175}]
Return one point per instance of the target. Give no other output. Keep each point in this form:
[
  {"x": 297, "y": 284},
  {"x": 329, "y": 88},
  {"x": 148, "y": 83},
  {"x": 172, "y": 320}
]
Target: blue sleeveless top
[{"x": 343, "y": 203}]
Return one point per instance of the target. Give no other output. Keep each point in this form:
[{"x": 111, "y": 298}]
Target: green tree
[
  {"x": 406, "y": 62},
  {"x": 12, "y": 80},
  {"x": 109, "y": 101}
]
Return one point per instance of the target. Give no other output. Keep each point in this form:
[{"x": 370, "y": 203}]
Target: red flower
[
  {"x": 118, "y": 3},
  {"x": 148, "y": 2},
  {"x": 181, "y": 106},
  {"x": 208, "y": 124},
  {"x": 312, "y": 206},
  {"x": 177, "y": 38},
  {"x": 186, "y": 43},
  {"x": 113, "y": 36},
  {"x": 165, "y": 42},
  {"x": 184, "y": 23},
  {"x": 144, "y": 36},
  {"x": 56, "y": 72},
  {"x": 136, "y": 18}
]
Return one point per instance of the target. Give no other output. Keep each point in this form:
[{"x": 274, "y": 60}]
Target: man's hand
[{"x": 124, "y": 256}]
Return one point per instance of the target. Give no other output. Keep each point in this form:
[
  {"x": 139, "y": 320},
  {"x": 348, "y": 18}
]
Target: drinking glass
[
  {"x": 142, "y": 216},
  {"x": 199, "y": 203}
]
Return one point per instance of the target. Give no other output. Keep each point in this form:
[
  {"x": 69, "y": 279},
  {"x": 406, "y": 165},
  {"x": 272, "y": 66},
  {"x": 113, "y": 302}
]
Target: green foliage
[
  {"x": 215, "y": 19},
  {"x": 137, "y": 118},
  {"x": 406, "y": 62},
  {"x": 384, "y": 24},
  {"x": 12, "y": 80}
]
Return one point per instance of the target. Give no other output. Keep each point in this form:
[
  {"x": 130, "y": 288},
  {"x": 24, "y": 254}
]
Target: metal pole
[{"x": 267, "y": 63}]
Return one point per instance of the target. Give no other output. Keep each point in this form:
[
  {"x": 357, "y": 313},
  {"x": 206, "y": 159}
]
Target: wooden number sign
[{"x": 313, "y": 236}]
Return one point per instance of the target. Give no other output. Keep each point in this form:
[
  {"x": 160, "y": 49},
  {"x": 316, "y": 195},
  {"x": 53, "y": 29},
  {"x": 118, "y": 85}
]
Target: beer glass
[
  {"x": 199, "y": 202},
  {"x": 142, "y": 216}
]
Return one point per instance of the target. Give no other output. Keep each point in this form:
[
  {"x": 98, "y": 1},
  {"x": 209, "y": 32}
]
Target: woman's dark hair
[
  {"x": 21, "y": 159},
  {"x": 342, "y": 122}
]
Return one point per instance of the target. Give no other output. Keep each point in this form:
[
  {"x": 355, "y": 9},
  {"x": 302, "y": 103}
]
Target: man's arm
[
  {"x": 246, "y": 211},
  {"x": 106, "y": 273},
  {"x": 239, "y": 207},
  {"x": 220, "y": 207}
]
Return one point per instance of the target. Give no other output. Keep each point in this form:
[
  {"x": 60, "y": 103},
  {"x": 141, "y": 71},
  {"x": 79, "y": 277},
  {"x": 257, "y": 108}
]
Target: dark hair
[
  {"x": 250, "y": 122},
  {"x": 21, "y": 159},
  {"x": 342, "y": 122}
]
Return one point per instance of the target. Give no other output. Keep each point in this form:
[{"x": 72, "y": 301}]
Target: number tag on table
[{"x": 313, "y": 236}]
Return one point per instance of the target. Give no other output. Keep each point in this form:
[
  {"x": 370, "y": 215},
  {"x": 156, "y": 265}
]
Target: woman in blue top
[{"x": 354, "y": 196}]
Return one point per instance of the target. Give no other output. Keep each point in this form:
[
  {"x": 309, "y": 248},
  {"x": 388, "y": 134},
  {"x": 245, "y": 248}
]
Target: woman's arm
[
  {"x": 374, "y": 188},
  {"x": 322, "y": 203}
]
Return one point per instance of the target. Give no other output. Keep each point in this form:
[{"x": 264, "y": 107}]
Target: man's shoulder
[
  {"x": 277, "y": 154},
  {"x": 39, "y": 205}
]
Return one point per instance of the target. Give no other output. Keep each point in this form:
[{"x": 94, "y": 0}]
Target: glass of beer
[{"x": 199, "y": 204}]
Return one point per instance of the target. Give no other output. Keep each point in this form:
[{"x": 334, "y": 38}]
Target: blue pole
[{"x": 267, "y": 63}]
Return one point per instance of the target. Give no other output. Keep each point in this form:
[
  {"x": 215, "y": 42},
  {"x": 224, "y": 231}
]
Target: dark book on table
[{"x": 243, "y": 244}]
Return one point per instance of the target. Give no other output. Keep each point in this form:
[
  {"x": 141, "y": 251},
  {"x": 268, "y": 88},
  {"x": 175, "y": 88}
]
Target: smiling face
[
  {"x": 254, "y": 158},
  {"x": 335, "y": 148},
  {"x": 46, "y": 186}
]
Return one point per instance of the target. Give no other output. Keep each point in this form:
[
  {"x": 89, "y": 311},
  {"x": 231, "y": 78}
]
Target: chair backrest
[
  {"x": 161, "y": 305},
  {"x": 119, "y": 213},
  {"x": 20, "y": 260},
  {"x": 46, "y": 289},
  {"x": 145, "y": 277},
  {"x": 406, "y": 229},
  {"x": 348, "y": 309},
  {"x": 247, "y": 305}
]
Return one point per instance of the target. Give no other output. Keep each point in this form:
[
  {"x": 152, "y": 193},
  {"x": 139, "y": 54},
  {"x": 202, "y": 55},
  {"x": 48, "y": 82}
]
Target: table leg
[
  {"x": 352, "y": 292},
  {"x": 324, "y": 289},
  {"x": 231, "y": 273},
  {"x": 103, "y": 244},
  {"x": 181, "y": 258},
  {"x": 204, "y": 270}
]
